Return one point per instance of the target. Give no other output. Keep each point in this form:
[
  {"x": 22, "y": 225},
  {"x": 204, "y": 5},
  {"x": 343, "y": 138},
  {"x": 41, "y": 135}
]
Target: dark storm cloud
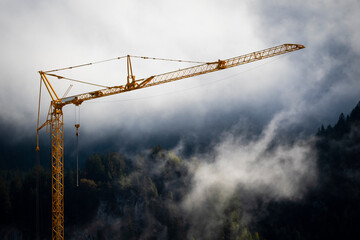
[{"x": 329, "y": 67}]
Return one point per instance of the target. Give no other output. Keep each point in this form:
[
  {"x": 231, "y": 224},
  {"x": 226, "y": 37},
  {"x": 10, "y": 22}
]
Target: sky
[{"x": 316, "y": 84}]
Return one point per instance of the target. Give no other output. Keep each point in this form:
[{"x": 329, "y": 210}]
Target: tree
[
  {"x": 5, "y": 204},
  {"x": 94, "y": 169}
]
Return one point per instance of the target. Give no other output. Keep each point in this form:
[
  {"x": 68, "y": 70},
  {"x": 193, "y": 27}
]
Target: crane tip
[{"x": 301, "y": 46}]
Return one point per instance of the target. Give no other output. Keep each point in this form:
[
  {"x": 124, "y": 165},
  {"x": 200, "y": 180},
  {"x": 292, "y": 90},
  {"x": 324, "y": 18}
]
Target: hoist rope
[
  {"x": 117, "y": 58},
  {"x": 167, "y": 59},
  {"x": 77, "y": 160},
  {"x": 38, "y": 117},
  {"x": 84, "y": 65},
  {"x": 37, "y": 192},
  {"x": 75, "y": 80},
  {"x": 37, "y": 171},
  {"x": 77, "y": 125}
]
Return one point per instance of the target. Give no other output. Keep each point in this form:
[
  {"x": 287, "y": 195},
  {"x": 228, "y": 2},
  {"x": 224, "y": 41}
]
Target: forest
[{"x": 141, "y": 196}]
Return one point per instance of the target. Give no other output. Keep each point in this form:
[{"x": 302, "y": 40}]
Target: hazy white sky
[{"x": 318, "y": 82}]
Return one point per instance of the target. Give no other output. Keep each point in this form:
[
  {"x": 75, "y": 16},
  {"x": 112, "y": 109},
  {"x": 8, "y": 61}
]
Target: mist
[
  {"x": 241, "y": 167},
  {"x": 260, "y": 169}
]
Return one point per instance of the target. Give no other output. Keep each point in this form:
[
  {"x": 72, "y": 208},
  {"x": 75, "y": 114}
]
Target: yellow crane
[{"x": 55, "y": 114}]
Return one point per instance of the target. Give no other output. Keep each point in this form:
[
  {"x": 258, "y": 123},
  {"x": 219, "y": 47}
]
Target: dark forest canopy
[{"x": 122, "y": 197}]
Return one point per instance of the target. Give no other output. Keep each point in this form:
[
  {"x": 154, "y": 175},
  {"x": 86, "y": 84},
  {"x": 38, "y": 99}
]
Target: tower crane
[{"x": 55, "y": 114}]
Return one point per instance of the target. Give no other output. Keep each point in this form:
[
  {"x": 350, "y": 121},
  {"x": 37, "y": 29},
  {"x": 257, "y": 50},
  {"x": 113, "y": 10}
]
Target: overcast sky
[{"x": 317, "y": 83}]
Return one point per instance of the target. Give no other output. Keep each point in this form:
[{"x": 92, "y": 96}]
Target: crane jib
[{"x": 183, "y": 73}]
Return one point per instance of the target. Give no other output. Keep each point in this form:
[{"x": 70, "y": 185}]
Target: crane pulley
[{"x": 55, "y": 114}]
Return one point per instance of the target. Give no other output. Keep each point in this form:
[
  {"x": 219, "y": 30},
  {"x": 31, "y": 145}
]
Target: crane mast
[{"x": 55, "y": 115}]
